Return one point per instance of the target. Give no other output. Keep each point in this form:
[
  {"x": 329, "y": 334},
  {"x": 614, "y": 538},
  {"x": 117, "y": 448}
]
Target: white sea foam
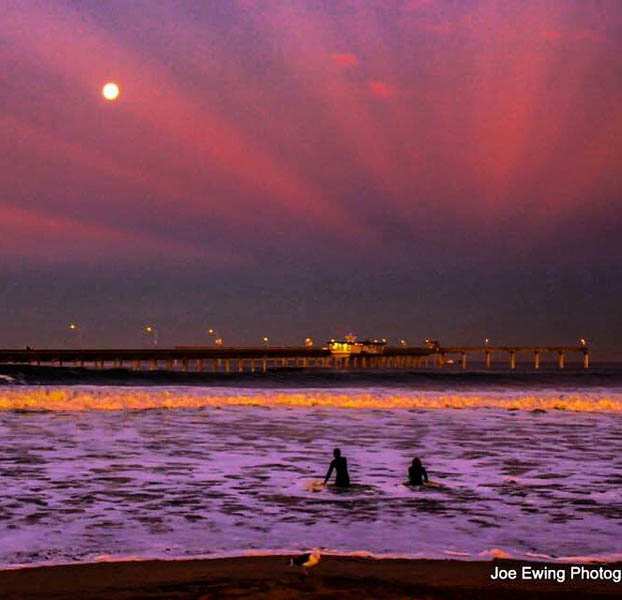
[
  {"x": 491, "y": 554},
  {"x": 228, "y": 476}
]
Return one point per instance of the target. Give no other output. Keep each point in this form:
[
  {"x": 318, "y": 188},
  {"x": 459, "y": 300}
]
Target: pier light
[
  {"x": 75, "y": 334},
  {"x": 151, "y": 330},
  {"x": 308, "y": 342},
  {"x": 432, "y": 344},
  {"x": 265, "y": 340},
  {"x": 210, "y": 331},
  {"x": 403, "y": 343},
  {"x": 583, "y": 342},
  {"x": 486, "y": 341},
  {"x": 219, "y": 342}
]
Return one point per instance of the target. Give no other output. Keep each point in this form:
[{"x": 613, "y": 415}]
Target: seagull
[{"x": 308, "y": 560}]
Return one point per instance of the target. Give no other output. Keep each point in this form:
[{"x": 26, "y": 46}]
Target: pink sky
[{"x": 296, "y": 143}]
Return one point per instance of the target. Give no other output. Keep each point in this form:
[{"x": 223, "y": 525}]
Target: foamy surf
[
  {"x": 89, "y": 398},
  {"x": 491, "y": 554},
  {"x": 108, "y": 476}
]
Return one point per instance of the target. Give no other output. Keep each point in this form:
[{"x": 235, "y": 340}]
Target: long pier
[{"x": 261, "y": 359}]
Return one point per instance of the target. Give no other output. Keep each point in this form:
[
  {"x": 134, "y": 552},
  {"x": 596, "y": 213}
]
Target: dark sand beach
[{"x": 272, "y": 577}]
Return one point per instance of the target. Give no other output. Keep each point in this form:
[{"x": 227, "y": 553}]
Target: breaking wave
[{"x": 110, "y": 398}]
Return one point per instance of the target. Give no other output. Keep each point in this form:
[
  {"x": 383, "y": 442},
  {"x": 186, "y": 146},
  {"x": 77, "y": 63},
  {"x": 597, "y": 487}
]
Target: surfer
[
  {"x": 340, "y": 465},
  {"x": 416, "y": 473}
]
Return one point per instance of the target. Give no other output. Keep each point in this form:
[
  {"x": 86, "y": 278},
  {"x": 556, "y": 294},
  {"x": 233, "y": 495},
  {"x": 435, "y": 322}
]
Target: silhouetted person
[
  {"x": 340, "y": 465},
  {"x": 416, "y": 473}
]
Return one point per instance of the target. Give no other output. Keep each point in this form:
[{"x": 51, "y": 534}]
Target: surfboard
[
  {"x": 428, "y": 484},
  {"x": 318, "y": 485},
  {"x": 433, "y": 484},
  {"x": 315, "y": 485},
  {"x": 353, "y": 488}
]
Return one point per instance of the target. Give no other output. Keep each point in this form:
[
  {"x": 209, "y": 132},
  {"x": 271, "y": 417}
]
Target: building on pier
[{"x": 350, "y": 345}]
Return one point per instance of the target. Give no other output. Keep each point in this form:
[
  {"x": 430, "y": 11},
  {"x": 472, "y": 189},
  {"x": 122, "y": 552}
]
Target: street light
[
  {"x": 265, "y": 340},
  {"x": 217, "y": 339},
  {"x": 308, "y": 342},
  {"x": 403, "y": 343},
  {"x": 486, "y": 341},
  {"x": 75, "y": 331},
  {"x": 150, "y": 330}
]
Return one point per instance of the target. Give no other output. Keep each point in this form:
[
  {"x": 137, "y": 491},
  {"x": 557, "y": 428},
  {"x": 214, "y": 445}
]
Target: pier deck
[{"x": 190, "y": 358}]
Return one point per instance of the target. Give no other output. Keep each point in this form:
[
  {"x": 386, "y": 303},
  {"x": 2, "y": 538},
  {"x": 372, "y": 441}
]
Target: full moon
[{"x": 110, "y": 91}]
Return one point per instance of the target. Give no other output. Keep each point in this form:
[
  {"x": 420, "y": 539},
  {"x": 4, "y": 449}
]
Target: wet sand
[{"x": 272, "y": 577}]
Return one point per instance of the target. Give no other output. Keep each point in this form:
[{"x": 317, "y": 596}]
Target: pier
[
  {"x": 262, "y": 359},
  {"x": 510, "y": 354},
  {"x": 217, "y": 360}
]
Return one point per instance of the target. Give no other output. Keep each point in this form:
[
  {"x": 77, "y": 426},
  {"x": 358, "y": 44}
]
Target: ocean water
[{"x": 530, "y": 470}]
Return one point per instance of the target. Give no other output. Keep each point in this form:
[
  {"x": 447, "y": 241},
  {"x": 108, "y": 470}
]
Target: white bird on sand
[{"x": 308, "y": 560}]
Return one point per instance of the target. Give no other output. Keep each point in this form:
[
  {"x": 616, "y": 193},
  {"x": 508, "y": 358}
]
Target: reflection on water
[{"x": 227, "y": 478}]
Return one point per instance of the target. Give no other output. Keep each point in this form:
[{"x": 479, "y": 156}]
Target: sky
[{"x": 395, "y": 168}]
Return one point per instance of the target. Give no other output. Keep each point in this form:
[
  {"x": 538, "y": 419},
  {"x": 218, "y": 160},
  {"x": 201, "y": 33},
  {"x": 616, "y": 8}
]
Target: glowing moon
[{"x": 110, "y": 91}]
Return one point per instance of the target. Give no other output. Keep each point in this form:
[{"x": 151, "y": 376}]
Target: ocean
[{"x": 524, "y": 464}]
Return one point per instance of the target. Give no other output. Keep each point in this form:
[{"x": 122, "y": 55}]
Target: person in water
[
  {"x": 417, "y": 475},
  {"x": 340, "y": 465}
]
